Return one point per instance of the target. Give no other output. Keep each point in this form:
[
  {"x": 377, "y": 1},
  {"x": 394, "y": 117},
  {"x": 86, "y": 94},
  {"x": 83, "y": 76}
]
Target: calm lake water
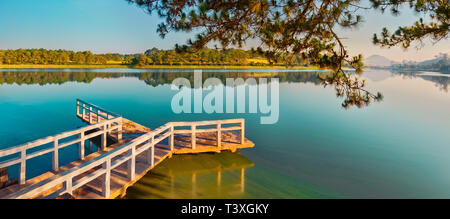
[{"x": 398, "y": 148}]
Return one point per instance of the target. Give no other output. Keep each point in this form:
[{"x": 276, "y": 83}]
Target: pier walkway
[{"x": 127, "y": 151}]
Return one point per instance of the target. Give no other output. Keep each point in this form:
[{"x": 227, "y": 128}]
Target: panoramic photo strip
[{"x": 224, "y": 107}]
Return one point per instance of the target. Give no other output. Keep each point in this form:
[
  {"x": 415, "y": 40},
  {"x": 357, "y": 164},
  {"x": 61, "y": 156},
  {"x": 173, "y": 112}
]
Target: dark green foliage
[
  {"x": 437, "y": 28},
  {"x": 57, "y": 57},
  {"x": 142, "y": 60}
]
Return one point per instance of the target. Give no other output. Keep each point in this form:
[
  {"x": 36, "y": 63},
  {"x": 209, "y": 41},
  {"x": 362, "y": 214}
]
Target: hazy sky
[{"x": 115, "y": 26}]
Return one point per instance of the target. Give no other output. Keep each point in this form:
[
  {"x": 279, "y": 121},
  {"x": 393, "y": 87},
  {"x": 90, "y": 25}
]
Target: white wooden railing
[
  {"x": 114, "y": 123},
  {"x": 126, "y": 153},
  {"x": 84, "y": 108}
]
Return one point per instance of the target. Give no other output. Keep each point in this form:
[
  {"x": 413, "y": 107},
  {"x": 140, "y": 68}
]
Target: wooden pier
[{"x": 127, "y": 151}]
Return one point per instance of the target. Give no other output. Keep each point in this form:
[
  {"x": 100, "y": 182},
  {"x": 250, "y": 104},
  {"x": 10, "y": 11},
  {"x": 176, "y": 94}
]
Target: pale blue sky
[{"x": 115, "y": 26}]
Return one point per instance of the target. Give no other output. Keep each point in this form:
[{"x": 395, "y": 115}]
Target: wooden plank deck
[
  {"x": 119, "y": 176},
  {"x": 119, "y": 182}
]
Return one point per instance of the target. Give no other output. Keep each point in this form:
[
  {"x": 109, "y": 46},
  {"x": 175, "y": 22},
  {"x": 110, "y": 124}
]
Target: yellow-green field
[{"x": 258, "y": 60}]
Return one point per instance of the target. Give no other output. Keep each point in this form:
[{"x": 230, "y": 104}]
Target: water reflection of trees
[
  {"x": 442, "y": 82},
  {"x": 150, "y": 78},
  {"x": 43, "y": 78},
  {"x": 195, "y": 176}
]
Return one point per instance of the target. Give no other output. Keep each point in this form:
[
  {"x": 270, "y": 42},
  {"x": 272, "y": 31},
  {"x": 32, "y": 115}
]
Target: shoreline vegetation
[{"x": 152, "y": 59}]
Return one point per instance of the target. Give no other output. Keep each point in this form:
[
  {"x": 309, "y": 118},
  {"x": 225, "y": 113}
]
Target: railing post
[
  {"x": 219, "y": 135},
  {"x": 109, "y": 125},
  {"x": 98, "y": 118},
  {"x": 81, "y": 145},
  {"x": 132, "y": 163},
  {"x": 103, "y": 137},
  {"x": 78, "y": 107},
  {"x": 171, "y": 138},
  {"x": 106, "y": 188},
  {"x": 55, "y": 163},
  {"x": 90, "y": 115},
  {"x": 84, "y": 110},
  {"x": 242, "y": 131},
  {"x": 151, "y": 152},
  {"x": 119, "y": 131},
  {"x": 23, "y": 162},
  {"x": 193, "y": 137},
  {"x": 68, "y": 186}
]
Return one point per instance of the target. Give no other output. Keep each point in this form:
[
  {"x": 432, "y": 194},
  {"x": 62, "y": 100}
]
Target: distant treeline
[
  {"x": 207, "y": 57},
  {"x": 443, "y": 65},
  {"x": 57, "y": 57},
  {"x": 150, "y": 57}
]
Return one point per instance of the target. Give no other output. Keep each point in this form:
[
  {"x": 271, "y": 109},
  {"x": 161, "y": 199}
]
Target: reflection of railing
[
  {"x": 105, "y": 163},
  {"x": 194, "y": 189}
]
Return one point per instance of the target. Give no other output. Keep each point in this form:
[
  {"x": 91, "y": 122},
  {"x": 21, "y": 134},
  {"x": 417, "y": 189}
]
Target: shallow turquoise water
[{"x": 397, "y": 148}]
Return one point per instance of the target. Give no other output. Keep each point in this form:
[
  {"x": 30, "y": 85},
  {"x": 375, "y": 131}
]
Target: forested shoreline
[{"x": 151, "y": 57}]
